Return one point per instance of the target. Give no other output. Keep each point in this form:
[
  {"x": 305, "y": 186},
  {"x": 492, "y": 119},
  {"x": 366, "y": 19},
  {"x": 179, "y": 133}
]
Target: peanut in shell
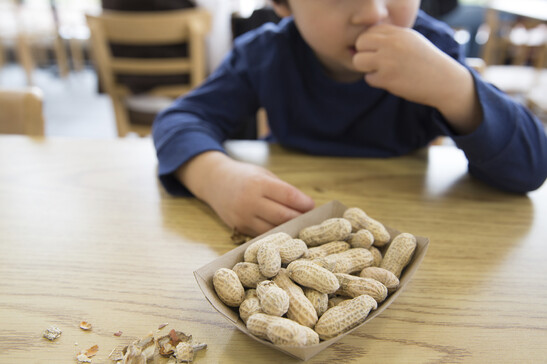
[
  {"x": 269, "y": 259},
  {"x": 350, "y": 261},
  {"x": 273, "y": 300},
  {"x": 363, "y": 238},
  {"x": 300, "y": 309},
  {"x": 399, "y": 253},
  {"x": 291, "y": 250},
  {"x": 259, "y": 325},
  {"x": 329, "y": 230},
  {"x": 311, "y": 275},
  {"x": 376, "y": 255},
  {"x": 383, "y": 276},
  {"x": 360, "y": 220},
  {"x": 228, "y": 287},
  {"x": 344, "y": 317},
  {"x": 320, "y": 301},
  {"x": 250, "y": 305},
  {"x": 252, "y": 250},
  {"x": 327, "y": 249},
  {"x": 353, "y": 286},
  {"x": 249, "y": 274}
]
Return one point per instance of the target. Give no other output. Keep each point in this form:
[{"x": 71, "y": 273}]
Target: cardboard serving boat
[{"x": 204, "y": 276}]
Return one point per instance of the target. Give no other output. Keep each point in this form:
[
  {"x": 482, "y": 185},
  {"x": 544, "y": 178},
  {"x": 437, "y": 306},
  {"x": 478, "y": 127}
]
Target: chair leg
[
  {"x": 77, "y": 54},
  {"x": 490, "y": 49},
  {"x": 61, "y": 56},
  {"x": 24, "y": 55},
  {"x": 40, "y": 55},
  {"x": 2, "y": 54},
  {"x": 121, "y": 115},
  {"x": 541, "y": 60}
]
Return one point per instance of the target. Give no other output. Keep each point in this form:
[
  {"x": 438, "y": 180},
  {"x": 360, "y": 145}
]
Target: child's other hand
[
  {"x": 253, "y": 200},
  {"x": 405, "y": 63},
  {"x": 246, "y": 196}
]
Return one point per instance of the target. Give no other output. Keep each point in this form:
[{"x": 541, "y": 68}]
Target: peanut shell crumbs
[
  {"x": 163, "y": 325},
  {"x": 82, "y": 358},
  {"x": 239, "y": 238},
  {"x": 92, "y": 351},
  {"x": 168, "y": 343},
  {"x": 117, "y": 353},
  {"x": 167, "y": 346},
  {"x": 119, "y": 333},
  {"x": 84, "y": 325},
  {"x": 184, "y": 352},
  {"x": 52, "y": 333}
]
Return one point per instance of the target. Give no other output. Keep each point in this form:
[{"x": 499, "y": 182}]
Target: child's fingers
[
  {"x": 365, "y": 62},
  {"x": 255, "y": 226},
  {"x": 290, "y": 196},
  {"x": 370, "y": 41},
  {"x": 275, "y": 213}
]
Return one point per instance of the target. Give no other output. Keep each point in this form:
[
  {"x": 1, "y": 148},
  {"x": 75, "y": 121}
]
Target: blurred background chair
[
  {"x": 31, "y": 29},
  {"x": 72, "y": 28},
  {"x": 536, "y": 98},
  {"x": 21, "y": 111},
  {"x": 516, "y": 48},
  {"x": 162, "y": 28}
]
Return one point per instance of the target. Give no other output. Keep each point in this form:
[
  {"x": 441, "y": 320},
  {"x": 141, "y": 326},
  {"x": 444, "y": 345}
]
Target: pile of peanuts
[{"x": 298, "y": 291}]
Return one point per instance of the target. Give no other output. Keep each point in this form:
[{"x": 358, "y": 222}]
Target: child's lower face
[{"x": 331, "y": 27}]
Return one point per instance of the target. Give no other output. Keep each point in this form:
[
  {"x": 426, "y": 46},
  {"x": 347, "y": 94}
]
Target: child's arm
[
  {"x": 245, "y": 196},
  {"x": 188, "y": 137},
  {"x": 506, "y": 146}
]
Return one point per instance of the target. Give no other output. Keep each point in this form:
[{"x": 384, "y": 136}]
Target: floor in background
[{"x": 72, "y": 106}]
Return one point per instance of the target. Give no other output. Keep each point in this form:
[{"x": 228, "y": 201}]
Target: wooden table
[{"x": 87, "y": 233}]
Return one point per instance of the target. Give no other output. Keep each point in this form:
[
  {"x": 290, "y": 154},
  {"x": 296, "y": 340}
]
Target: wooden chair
[
  {"x": 188, "y": 26},
  {"x": 31, "y": 30},
  {"x": 21, "y": 111},
  {"x": 536, "y": 99},
  {"x": 514, "y": 53}
]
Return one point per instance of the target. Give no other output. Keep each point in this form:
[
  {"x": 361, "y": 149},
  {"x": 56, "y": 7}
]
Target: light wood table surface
[{"x": 87, "y": 233}]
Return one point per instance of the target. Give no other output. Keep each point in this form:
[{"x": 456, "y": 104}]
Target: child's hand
[
  {"x": 245, "y": 196},
  {"x": 405, "y": 63}
]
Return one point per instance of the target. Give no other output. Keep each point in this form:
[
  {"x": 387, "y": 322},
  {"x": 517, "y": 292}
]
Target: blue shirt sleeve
[
  {"x": 203, "y": 119},
  {"x": 509, "y": 149}
]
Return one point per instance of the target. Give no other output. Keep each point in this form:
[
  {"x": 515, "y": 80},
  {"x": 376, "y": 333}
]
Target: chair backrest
[
  {"x": 21, "y": 111},
  {"x": 514, "y": 40},
  {"x": 189, "y": 26}
]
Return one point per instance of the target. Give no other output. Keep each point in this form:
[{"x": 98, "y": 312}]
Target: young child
[{"x": 364, "y": 78}]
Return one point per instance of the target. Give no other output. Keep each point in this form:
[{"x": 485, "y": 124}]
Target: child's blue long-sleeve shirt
[{"x": 272, "y": 67}]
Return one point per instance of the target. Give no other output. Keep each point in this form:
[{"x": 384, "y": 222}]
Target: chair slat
[
  {"x": 164, "y": 27},
  {"x": 151, "y": 66},
  {"x": 188, "y": 26}
]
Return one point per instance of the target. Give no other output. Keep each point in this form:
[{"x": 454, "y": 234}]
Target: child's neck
[
  {"x": 344, "y": 76},
  {"x": 339, "y": 73}
]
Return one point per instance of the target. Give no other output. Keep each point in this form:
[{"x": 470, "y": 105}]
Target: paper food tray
[{"x": 204, "y": 276}]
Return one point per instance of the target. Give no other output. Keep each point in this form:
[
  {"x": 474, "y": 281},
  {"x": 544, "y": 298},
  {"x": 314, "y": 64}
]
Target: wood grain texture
[{"x": 87, "y": 233}]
